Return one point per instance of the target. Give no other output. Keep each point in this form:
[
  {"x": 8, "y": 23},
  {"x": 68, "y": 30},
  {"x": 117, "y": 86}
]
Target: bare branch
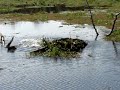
[
  {"x": 92, "y": 18},
  {"x": 8, "y": 45},
  {"x": 114, "y": 22}
]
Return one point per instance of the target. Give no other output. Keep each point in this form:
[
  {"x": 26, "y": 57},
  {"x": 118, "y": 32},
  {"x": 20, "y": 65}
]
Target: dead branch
[
  {"x": 92, "y": 18},
  {"x": 114, "y": 22}
]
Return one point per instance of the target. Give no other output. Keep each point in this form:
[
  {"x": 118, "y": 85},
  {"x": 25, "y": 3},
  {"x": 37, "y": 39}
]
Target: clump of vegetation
[
  {"x": 115, "y": 36},
  {"x": 64, "y": 47}
]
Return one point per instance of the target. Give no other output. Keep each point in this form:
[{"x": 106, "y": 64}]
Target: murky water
[{"x": 98, "y": 67}]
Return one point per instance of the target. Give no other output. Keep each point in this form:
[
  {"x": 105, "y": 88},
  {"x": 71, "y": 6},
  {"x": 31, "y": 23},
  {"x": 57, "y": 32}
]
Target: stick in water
[{"x": 92, "y": 18}]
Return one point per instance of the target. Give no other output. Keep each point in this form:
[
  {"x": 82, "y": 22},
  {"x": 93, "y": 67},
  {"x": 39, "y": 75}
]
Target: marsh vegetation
[{"x": 62, "y": 48}]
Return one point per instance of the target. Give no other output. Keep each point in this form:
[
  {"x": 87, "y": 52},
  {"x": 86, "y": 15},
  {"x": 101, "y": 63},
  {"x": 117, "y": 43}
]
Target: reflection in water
[
  {"x": 96, "y": 37},
  {"x": 97, "y": 68},
  {"x": 115, "y": 48}
]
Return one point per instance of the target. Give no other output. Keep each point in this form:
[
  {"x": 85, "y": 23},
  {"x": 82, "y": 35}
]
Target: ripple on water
[{"x": 98, "y": 67}]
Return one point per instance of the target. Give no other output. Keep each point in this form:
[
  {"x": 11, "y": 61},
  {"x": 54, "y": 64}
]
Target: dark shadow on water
[
  {"x": 115, "y": 48},
  {"x": 96, "y": 37}
]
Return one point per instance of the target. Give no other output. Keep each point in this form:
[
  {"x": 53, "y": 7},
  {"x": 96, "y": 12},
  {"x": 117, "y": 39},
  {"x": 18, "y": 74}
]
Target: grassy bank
[
  {"x": 101, "y": 18},
  {"x": 52, "y": 2},
  {"x": 11, "y": 5},
  {"x": 115, "y": 36}
]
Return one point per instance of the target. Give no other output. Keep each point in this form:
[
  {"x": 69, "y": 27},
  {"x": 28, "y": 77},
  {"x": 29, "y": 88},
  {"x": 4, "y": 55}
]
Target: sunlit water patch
[
  {"x": 52, "y": 29},
  {"x": 30, "y": 33}
]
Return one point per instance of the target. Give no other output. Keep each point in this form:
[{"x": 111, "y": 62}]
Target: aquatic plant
[{"x": 64, "y": 47}]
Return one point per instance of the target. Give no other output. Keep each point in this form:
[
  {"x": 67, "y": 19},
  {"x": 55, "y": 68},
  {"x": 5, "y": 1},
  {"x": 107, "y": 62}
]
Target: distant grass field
[
  {"x": 52, "y": 2},
  {"x": 11, "y": 5}
]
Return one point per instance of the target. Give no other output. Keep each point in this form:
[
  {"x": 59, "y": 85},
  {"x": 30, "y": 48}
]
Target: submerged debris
[
  {"x": 64, "y": 47},
  {"x": 11, "y": 48}
]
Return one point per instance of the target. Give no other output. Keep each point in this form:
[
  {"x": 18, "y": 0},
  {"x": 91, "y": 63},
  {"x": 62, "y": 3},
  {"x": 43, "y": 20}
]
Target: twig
[
  {"x": 114, "y": 22},
  {"x": 92, "y": 18}
]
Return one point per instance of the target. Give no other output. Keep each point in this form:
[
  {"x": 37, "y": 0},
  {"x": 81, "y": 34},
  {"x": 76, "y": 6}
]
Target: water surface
[{"x": 98, "y": 67}]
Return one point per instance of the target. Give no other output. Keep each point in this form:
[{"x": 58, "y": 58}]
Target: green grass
[
  {"x": 101, "y": 19},
  {"x": 54, "y": 50},
  {"x": 115, "y": 36},
  {"x": 51, "y": 2},
  {"x": 11, "y": 5}
]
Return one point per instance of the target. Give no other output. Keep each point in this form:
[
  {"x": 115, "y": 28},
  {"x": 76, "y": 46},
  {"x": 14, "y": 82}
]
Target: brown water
[{"x": 98, "y": 67}]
